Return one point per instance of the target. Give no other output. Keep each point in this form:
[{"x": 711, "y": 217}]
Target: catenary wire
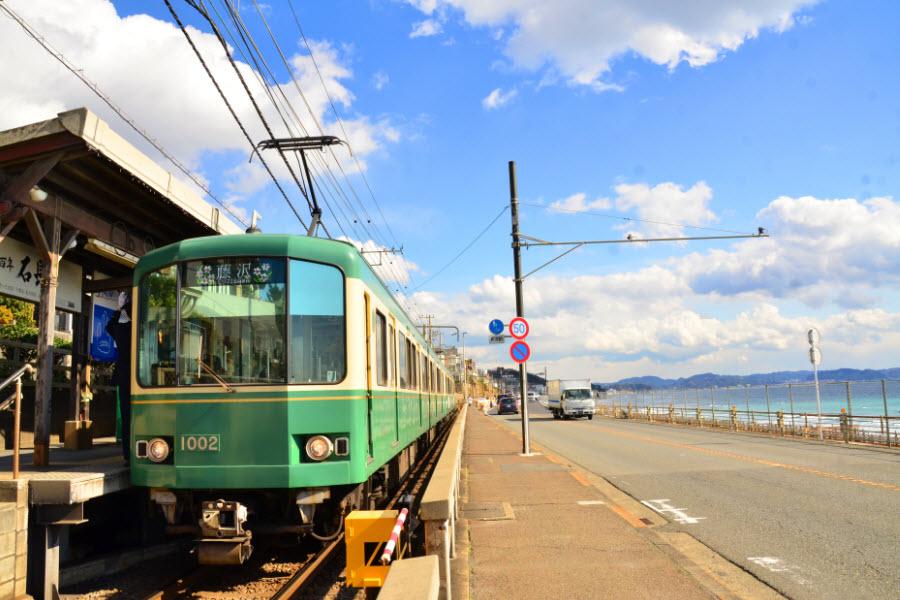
[
  {"x": 465, "y": 248},
  {"x": 265, "y": 22},
  {"x": 238, "y": 23},
  {"x": 260, "y": 65},
  {"x": 331, "y": 180},
  {"x": 397, "y": 276},
  {"x": 341, "y": 123},
  {"x": 635, "y": 219},
  {"x": 200, "y": 8},
  {"x": 33, "y": 33},
  {"x": 390, "y": 269},
  {"x": 231, "y": 110}
]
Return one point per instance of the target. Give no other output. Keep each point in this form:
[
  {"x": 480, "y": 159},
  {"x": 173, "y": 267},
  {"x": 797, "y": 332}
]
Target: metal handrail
[
  {"x": 27, "y": 367},
  {"x": 17, "y": 419}
]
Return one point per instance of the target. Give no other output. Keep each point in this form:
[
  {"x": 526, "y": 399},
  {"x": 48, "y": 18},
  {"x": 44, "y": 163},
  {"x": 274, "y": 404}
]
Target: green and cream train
[{"x": 277, "y": 384}]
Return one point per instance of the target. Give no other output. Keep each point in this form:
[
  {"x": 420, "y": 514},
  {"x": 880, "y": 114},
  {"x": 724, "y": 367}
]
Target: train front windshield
[{"x": 228, "y": 320}]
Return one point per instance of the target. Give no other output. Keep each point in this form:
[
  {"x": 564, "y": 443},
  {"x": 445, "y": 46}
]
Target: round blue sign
[
  {"x": 496, "y": 326},
  {"x": 520, "y": 351}
]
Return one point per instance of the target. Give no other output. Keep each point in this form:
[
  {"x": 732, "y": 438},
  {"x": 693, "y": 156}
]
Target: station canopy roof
[{"x": 102, "y": 183}]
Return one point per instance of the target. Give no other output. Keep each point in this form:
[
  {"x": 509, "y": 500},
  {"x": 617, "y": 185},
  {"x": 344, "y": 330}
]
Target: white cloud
[
  {"x": 112, "y": 49},
  {"x": 581, "y": 38},
  {"x": 498, "y": 98},
  {"x": 821, "y": 251},
  {"x": 576, "y": 203},
  {"x": 426, "y": 28},
  {"x": 664, "y": 203},
  {"x": 380, "y": 80},
  {"x": 736, "y": 309}
]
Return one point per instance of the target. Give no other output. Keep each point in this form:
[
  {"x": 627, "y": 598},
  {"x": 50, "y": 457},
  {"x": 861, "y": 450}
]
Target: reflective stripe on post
[{"x": 395, "y": 537}]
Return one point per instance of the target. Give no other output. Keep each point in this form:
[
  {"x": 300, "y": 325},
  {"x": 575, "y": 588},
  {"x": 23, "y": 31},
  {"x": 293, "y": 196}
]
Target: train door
[{"x": 368, "y": 349}]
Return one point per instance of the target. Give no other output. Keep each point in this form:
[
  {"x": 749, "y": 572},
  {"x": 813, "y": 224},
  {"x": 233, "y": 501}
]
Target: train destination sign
[
  {"x": 518, "y": 328},
  {"x": 520, "y": 351},
  {"x": 496, "y": 326}
]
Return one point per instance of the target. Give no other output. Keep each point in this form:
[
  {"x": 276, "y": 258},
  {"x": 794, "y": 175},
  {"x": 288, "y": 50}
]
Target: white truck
[{"x": 568, "y": 398}]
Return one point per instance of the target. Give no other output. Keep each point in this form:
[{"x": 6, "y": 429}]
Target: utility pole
[{"x": 520, "y": 307}]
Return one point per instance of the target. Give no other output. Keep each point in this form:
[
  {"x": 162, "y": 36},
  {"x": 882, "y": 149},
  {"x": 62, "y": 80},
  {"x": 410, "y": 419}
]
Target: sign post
[
  {"x": 815, "y": 357},
  {"x": 520, "y": 305}
]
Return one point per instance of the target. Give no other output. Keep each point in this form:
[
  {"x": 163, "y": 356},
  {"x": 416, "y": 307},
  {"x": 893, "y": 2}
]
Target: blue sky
[{"x": 705, "y": 117}]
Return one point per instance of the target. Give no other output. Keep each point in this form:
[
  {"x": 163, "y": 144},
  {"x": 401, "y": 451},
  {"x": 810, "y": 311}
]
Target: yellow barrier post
[{"x": 362, "y": 528}]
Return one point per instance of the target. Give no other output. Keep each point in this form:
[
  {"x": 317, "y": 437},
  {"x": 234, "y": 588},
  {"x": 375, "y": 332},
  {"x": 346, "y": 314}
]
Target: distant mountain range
[{"x": 705, "y": 380}]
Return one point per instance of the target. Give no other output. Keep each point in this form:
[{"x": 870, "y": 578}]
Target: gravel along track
[{"x": 268, "y": 569}]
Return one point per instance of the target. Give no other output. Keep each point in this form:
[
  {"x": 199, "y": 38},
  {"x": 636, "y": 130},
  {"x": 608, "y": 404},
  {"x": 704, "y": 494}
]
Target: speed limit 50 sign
[{"x": 518, "y": 328}]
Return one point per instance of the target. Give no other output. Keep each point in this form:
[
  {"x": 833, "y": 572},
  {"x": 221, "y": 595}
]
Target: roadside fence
[{"x": 852, "y": 411}]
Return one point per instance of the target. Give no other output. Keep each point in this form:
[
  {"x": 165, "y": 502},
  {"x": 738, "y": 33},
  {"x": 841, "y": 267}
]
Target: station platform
[
  {"x": 74, "y": 476},
  {"x": 42, "y": 503},
  {"x": 539, "y": 527}
]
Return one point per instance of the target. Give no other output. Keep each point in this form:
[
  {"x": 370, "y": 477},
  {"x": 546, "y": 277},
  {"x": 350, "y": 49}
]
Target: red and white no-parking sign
[
  {"x": 520, "y": 351},
  {"x": 518, "y": 328}
]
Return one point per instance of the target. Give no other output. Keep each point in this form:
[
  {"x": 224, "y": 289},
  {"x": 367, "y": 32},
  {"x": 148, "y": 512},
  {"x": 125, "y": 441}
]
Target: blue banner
[{"x": 103, "y": 347}]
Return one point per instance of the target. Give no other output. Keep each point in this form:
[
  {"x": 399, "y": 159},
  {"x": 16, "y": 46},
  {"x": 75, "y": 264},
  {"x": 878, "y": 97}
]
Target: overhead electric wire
[
  {"x": 390, "y": 269},
  {"x": 231, "y": 110},
  {"x": 79, "y": 73},
  {"x": 253, "y": 50},
  {"x": 260, "y": 65},
  {"x": 396, "y": 274},
  {"x": 205, "y": 14},
  {"x": 340, "y": 122},
  {"x": 309, "y": 108},
  {"x": 623, "y": 218},
  {"x": 465, "y": 248}
]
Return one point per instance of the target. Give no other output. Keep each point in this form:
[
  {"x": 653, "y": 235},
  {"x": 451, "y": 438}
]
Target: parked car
[{"x": 508, "y": 404}]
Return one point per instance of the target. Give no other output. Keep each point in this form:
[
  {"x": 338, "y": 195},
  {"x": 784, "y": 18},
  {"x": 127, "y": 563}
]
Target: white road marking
[
  {"x": 662, "y": 506},
  {"x": 777, "y": 565},
  {"x": 590, "y": 502}
]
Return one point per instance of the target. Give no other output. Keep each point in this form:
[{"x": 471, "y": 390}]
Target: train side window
[
  {"x": 381, "y": 355},
  {"x": 404, "y": 362},
  {"x": 392, "y": 366},
  {"x": 413, "y": 366},
  {"x": 156, "y": 330}
]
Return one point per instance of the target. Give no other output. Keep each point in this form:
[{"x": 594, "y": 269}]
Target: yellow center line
[{"x": 759, "y": 461}]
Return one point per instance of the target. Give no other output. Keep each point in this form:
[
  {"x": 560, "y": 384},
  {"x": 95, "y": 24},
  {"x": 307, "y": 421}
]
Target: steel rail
[
  {"x": 308, "y": 571},
  {"x": 418, "y": 473}
]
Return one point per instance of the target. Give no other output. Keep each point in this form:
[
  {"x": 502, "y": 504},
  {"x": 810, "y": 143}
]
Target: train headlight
[
  {"x": 319, "y": 447},
  {"x": 157, "y": 450}
]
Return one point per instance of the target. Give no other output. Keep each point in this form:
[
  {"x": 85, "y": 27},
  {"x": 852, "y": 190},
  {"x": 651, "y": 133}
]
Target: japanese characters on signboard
[
  {"x": 235, "y": 271},
  {"x": 21, "y": 271}
]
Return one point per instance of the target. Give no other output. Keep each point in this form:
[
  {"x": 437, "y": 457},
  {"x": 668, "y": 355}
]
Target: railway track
[{"x": 291, "y": 573}]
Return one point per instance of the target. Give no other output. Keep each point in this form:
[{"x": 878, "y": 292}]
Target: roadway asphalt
[{"x": 811, "y": 520}]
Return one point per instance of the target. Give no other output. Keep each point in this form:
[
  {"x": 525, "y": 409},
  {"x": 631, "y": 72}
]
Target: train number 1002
[{"x": 199, "y": 443}]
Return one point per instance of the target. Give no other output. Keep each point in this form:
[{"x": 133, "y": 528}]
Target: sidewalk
[{"x": 537, "y": 527}]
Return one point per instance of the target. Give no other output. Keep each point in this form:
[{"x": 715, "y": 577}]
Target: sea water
[{"x": 866, "y": 402}]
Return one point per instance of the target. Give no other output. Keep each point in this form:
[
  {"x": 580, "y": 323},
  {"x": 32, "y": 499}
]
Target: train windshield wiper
[{"x": 215, "y": 376}]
